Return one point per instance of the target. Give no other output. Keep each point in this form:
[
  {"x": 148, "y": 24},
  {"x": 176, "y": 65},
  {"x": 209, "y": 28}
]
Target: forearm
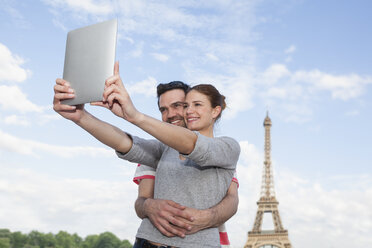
[
  {"x": 145, "y": 191},
  {"x": 216, "y": 215},
  {"x": 222, "y": 212},
  {"x": 105, "y": 133},
  {"x": 179, "y": 138}
]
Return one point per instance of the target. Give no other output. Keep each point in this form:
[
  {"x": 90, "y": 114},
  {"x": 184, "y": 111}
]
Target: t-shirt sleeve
[
  {"x": 143, "y": 172},
  {"x": 235, "y": 178},
  {"x": 143, "y": 151},
  {"x": 219, "y": 152}
]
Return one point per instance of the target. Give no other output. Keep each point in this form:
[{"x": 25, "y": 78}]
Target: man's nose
[{"x": 172, "y": 112}]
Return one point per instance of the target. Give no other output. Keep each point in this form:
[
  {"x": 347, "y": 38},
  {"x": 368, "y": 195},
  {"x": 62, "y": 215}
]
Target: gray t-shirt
[{"x": 201, "y": 181}]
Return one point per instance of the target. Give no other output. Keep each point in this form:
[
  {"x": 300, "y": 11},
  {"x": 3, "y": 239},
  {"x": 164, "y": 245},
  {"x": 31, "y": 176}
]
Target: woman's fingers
[
  {"x": 62, "y": 86},
  {"x": 63, "y": 96},
  {"x": 100, "y": 104},
  {"x": 108, "y": 91},
  {"x": 113, "y": 80},
  {"x": 112, "y": 97},
  {"x": 61, "y": 81},
  {"x": 62, "y": 91},
  {"x": 63, "y": 107},
  {"x": 116, "y": 68}
]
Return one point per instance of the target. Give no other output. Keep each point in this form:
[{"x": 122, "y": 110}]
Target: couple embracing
[{"x": 186, "y": 177}]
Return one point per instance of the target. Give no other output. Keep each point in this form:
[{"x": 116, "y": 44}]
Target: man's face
[{"x": 171, "y": 105}]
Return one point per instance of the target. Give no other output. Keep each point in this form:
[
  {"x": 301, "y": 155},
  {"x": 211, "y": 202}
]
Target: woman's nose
[{"x": 188, "y": 109}]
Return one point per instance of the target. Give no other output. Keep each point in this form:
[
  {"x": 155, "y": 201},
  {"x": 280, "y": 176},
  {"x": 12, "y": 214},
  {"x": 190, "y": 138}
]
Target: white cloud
[
  {"x": 138, "y": 51},
  {"x": 12, "y": 98},
  {"x": 12, "y": 143},
  {"x": 277, "y": 92},
  {"x": 342, "y": 87},
  {"x": 290, "y": 49},
  {"x": 60, "y": 25},
  {"x": 250, "y": 155},
  {"x": 172, "y": 21},
  {"x": 130, "y": 40},
  {"x": 161, "y": 57},
  {"x": 298, "y": 113},
  {"x": 310, "y": 206},
  {"x": 33, "y": 200},
  {"x": 274, "y": 73},
  {"x": 86, "y": 6},
  {"x": 146, "y": 87},
  {"x": 45, "y": 118},
  {"x": 212, "y": 57},
  {"x": 10, "y": 66},
  {"x": 294, "y": 94},
  {"x": 16, "y": 17},
  {"x": 16, "y": 120},
  {"x": 165, "y": 19},
  {"x": 288, "y": 59}
]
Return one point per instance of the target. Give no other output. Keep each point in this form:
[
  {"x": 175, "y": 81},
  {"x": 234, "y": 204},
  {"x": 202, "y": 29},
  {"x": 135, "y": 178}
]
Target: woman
[{"x": 198, "y": 168}]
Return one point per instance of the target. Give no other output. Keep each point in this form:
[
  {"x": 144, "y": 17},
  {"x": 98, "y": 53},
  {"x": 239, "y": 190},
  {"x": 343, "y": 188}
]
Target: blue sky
[{"x": 307, "y": 62}]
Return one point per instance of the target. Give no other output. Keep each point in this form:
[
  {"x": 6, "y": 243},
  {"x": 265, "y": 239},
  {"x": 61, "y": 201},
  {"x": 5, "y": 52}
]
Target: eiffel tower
[{"x": 258, "y": 238}]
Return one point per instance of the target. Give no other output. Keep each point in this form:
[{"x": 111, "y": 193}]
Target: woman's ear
[{"x": 216, "y": 111}]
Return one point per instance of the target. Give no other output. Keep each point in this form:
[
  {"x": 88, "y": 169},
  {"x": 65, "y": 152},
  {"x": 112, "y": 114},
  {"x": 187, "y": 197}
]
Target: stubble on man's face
[
  {"x": 171, "y": 105},
  {"x": 177, "y": 120}
]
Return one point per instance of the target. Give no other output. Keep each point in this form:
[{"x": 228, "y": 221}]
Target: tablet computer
[{"x": 89, "y": 60}]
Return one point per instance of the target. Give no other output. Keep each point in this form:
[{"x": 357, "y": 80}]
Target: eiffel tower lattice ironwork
[{"x": 277, "y": 238}]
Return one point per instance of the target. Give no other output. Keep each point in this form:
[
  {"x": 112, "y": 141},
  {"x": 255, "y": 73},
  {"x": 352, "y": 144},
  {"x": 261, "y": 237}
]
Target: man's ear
[{"x": 216, "y": 111}]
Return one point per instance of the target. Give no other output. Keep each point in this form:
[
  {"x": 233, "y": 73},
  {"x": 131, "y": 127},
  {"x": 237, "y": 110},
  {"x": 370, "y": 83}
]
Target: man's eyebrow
[{"x": 179, "y": 102}]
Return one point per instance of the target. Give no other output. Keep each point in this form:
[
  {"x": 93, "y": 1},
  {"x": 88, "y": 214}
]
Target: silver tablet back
[{"x": 89, "y": 60}]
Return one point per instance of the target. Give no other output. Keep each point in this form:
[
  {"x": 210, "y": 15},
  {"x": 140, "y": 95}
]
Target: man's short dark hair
[{"x": 162, "y": 88}]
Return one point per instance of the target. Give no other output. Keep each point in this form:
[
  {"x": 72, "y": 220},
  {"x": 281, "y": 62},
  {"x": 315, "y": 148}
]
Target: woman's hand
[
  {"x": 117, "y": 99},
  {"x": 63, "y": 91}
]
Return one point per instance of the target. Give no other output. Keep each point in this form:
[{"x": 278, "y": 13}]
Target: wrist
[
  {"x": 81, "y": 118},
  {"x": 208, "y": 217},
  {"x": 212, "y": 217},
  {"x": 139, "y": 207},
  {"x": 138, "y": 118},
  {"x": 146, "y": 204}
]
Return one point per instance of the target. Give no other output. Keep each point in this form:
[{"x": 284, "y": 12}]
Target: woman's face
[{"x": 199, "y": 114}]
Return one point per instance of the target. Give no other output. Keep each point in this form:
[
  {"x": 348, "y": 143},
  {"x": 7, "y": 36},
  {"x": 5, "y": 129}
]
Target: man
[{"x": 169, "y": 217}]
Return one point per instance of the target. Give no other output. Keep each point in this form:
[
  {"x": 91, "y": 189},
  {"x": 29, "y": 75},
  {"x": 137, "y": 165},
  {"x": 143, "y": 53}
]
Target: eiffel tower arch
[{"x": 278, "y": 237}]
